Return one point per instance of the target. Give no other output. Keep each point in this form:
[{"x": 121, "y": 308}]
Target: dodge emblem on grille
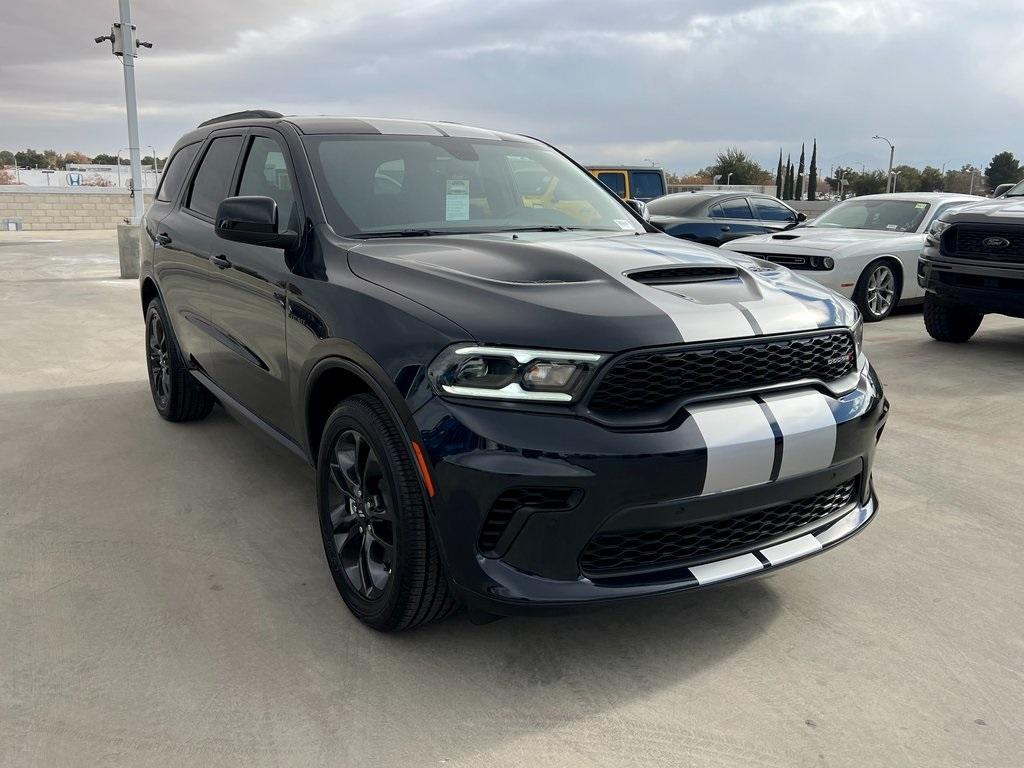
[{"x": 995, "y": 242}]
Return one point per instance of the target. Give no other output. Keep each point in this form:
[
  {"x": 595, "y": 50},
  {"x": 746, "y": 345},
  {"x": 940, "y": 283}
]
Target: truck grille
[
  {"x": 985, "y": 243},
  {"x": 610, "y": 554},
  {"x": 647, "y": 379}
]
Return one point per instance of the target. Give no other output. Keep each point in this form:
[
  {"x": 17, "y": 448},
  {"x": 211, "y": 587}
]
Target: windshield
[
  {"x": 384, "y": 186},
  {"x": 1017, "y": 190},
  {"x": 885, "y": 215}
]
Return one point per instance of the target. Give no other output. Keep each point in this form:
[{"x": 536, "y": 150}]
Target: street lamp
[
  {"x": 895, "y": 178},
  {"x": 892, "y": 151},
  {"x": 125, "y": 45},
  {"x": 728, "y": 179}
]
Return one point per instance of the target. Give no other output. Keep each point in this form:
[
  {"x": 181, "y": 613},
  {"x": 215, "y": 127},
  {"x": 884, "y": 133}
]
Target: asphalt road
[{"x": 164, "y": 601}]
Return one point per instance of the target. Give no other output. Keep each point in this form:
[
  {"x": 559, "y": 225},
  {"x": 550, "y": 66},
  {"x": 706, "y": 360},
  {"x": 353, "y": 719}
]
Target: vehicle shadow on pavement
[{"x": 176, "y": 575}]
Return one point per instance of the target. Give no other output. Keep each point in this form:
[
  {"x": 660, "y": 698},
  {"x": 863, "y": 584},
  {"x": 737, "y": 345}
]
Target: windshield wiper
[
  {"x": 402, "y": 233},
  {"x": 554, "y": 228}
]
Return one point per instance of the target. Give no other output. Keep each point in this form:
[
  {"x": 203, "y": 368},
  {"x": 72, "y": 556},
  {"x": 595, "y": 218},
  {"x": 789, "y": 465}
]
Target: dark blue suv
[{"x": 512, "y": 403}]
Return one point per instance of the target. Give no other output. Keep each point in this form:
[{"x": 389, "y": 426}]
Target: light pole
[
  {"x": 728, "y": 179},
  {"x": 895, "y": 178},
  {"x": 124, "y": 44},
  {"x": 892, "y": 152}
]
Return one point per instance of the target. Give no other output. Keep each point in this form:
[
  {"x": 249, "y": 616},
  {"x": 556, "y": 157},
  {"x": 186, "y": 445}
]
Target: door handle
[
  {"x": 163, "y": 238},
  {"x": 726, "y": 228},
  {"x": 221, "y": 262}
]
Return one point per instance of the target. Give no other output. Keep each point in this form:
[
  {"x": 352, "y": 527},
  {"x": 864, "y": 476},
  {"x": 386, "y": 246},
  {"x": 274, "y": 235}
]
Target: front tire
[
  {"x": 176, "y": 394},
  {"x": 950, "y": 322},
  {"x": 878, "y": 290},
  {"x": 374, "y": 521}
]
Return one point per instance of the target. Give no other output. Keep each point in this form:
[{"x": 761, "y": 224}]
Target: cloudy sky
[{"x": 669, "y": 80}]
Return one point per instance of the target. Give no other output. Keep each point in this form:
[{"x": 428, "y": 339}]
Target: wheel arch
[{"x": 898, "y": 270}]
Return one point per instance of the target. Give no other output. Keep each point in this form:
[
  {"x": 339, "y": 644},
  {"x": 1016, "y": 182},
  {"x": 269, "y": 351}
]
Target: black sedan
[{"x": 717, "y": 217}]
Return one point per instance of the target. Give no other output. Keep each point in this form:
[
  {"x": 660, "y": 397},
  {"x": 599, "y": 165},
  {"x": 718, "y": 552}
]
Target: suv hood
[
  {"x": 1007, "y": 210},
  {"x": 578, "y": 291}
]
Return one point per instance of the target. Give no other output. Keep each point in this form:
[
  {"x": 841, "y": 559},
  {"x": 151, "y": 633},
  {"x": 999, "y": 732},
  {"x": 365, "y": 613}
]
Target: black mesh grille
[
  {"x": 986, "y": 244},
  {"x": 612, "y": 553},
  {"x": 514, "y": 499},
  {"x": 649, "y": 379}
]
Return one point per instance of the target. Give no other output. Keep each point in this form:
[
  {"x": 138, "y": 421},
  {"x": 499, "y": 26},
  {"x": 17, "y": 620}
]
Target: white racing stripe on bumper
[
  {"x": 740, "y": 444},
  {"x": 790, "y": 550},
  {"x": 725, "y": 569},
  {"x": 808, "y": 431}
]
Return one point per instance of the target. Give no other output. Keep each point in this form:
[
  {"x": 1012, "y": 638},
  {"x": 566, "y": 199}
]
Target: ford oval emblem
[{"x": 996, "y": 242}]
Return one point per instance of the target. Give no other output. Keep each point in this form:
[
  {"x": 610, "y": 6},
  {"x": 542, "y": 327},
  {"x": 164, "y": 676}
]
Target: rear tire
[
  {"x": 176, "y": 394},
  {"x": 950, "y": 322},
  {"x": 374, "y": 521}
]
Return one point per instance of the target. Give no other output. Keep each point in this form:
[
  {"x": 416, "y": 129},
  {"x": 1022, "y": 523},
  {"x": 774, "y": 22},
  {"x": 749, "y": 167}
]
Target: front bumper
[
  {"x": 703, "y": 472},
  {"x": 985, "y": 286}
]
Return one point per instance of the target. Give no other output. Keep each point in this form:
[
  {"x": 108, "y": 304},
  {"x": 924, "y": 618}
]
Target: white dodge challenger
[{"x": 865, "y": 248}]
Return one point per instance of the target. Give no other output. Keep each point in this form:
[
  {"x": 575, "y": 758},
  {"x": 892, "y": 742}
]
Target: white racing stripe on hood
[
  {"x": 780, "y": 312},
  {"x": 695, "y": 322}
]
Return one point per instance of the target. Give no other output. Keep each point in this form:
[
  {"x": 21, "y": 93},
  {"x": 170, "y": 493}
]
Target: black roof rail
[{"x": 247, "y": 114}]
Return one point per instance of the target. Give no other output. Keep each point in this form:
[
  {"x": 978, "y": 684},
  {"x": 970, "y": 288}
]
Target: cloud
[{"x": 667, "y": 80}]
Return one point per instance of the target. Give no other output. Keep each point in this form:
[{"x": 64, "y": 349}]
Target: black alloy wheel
[
  {"x": 362, "y": 515},
  {"x": 159, "y": 362}
]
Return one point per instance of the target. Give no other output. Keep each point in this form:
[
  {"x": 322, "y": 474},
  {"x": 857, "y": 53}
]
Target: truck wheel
[
  {"x": 878, "y": 290},
  {"x": 374, "y": 522},
  {"x": 176, "y": 395},
  {"x": 946, "y": 321}
]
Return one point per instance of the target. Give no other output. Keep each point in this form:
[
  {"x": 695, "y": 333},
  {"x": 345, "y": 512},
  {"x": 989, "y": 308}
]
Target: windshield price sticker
[
  {"x": 456, "y": 202},
  {"x": 623, "y": 224}
]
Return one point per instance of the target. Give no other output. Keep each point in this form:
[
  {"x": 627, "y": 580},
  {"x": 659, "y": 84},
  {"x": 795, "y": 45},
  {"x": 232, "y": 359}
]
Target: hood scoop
[
  {"x": 785, "y": 237},
  {"x": 678, "y": 275}
]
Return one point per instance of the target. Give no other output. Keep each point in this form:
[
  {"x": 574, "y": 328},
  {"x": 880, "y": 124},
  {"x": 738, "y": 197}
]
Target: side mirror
[
  {"x": 640, "y": 207},
  {"x": 1002, "y": 189},
  {"x": 252, "y": 220},
  {"x": 801, "y": 216}
]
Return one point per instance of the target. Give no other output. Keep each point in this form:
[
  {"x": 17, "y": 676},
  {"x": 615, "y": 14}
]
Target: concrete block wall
[{"x": 68, "y": 208}]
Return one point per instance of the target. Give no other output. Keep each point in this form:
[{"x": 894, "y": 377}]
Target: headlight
[
  {"x": 937, "y": 228},
  {"x": 499, "y": 373},
  {"x": 858, "y": 334}
]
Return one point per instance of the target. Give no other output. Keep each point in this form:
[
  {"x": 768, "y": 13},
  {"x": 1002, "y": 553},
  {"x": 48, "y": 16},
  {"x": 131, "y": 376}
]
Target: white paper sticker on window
[
  {"x": 624, "y": 224},
  {"x": 456, "y": 202}
]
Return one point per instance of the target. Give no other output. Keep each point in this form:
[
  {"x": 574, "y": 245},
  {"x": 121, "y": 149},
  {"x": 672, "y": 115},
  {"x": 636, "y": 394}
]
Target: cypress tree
[
  {"x": 787, "y": 185},
  {"x": 778, "y": 176},
  {"x": 812, "y": 176},
  {"x": 798, "y": 192}
]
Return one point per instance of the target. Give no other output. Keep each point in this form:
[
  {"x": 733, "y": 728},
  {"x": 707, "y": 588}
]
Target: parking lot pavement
[{"x": 164, "y": 601}]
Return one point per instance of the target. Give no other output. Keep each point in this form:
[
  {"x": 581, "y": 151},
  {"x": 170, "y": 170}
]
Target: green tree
[
  {"x": 30, "y": 158},
  {"x": 798, "y": 190},
  {"x": 812, "y": 175},
  {"x": 908, "y": 180},
  {"x": 104, "y": 159},
  {"x": 744, "y": 169},
  {"x": 787, "y": 184},
  {"x": 778, "y": 176},
  {"x": 968, "y": 179},
  {"x": 1003, "y": 169},
  {"x": 6, "y": 157},
  {"x": 870, "y": 183},
  {"x": 931, "y": 179}
]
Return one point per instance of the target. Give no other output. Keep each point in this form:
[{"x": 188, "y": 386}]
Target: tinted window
[
  {"x": 772, "y": 210},
  {"x": 716, "y": 212},
  {"x": 175, "y": 172},
  {"x": 737, "y": 208},
  {"x": 210, "y": 185},
  {"x": 266, "y": 174},
  {"x": 646, "y": 184},
  {"x": 616, "y": 182}
]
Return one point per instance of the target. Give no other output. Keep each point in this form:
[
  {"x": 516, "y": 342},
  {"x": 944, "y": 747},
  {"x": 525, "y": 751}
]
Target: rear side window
[
  {"x": 616, "y": 182},
  {"x": 736, "y": 209},
  {"x": 647, "y": 184},
  {"x": 174, "y": 173},
  {"x": 213, "y": 178}
]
